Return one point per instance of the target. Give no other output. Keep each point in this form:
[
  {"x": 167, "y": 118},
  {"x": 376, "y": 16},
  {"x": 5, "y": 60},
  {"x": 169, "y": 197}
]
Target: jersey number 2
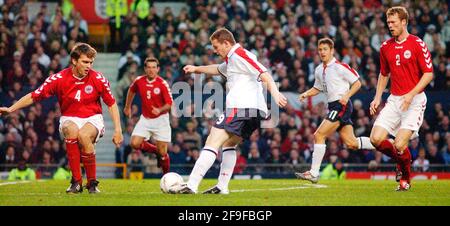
[
  {"x": 78, "y": 95},
  {"x": 397, "y": 60}
]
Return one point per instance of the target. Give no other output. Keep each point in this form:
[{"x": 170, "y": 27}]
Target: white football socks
[
  {"x": 204, "y": 162},
  {"x": 227, "y": 167},
  {"x": 317, "y": 156},
  {"x": 364, "y": 143}
]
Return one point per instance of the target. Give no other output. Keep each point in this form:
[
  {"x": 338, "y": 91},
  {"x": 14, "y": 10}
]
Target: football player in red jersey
[
  {"x": 156, "y": 101},
  {"x": 405, "y": 60},
  {"x": 78, "y": 89}
]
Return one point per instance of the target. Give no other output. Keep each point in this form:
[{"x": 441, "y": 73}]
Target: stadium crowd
[{"x": 283, "y": 34}]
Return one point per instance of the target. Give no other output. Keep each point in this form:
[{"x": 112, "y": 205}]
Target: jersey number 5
[
  {"x": 149, "y": 94},
  {"x": 78, "y": 95}
]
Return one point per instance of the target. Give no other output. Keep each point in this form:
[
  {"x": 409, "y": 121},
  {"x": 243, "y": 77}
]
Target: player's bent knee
[
  {"x": 319, "y": 137},
  {"x": 351, "y": 145},
  {"x": 376, "y": 141},
  {"x": 135, "y": 144},
  {"x": 69, "y": 132},
  {"x": 83, "y": 137},
  {"x": 400, "y": 145}
]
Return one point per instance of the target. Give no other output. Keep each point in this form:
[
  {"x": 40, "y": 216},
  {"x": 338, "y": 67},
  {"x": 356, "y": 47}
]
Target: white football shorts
[
  {"x": 392, "y": 118},
  {"x": 96, "y": 120},
  {"x": 158, "y": 128}
]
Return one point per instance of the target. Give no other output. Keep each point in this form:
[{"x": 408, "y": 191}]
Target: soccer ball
[{"x": 171, "y": 182}]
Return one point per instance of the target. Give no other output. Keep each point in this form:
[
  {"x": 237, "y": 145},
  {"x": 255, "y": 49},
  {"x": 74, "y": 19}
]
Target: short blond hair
[{"x": 400, "y": 11}]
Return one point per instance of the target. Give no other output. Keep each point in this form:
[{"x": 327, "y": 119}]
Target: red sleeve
[
  {"x": 167, "y": 95},
  {"x": 106, "y": 94},
  {"x": 47, "y": 89},
  {"x": 384, "y": 65},
  {"x": 133, "y": 86},
  {"x": 423, "y": 56}
]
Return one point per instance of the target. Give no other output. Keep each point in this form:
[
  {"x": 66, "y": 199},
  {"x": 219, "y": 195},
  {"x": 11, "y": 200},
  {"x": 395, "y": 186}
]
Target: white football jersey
[
  {"x": 242, "y": 71},
  {"x": 334, "y": 79}
]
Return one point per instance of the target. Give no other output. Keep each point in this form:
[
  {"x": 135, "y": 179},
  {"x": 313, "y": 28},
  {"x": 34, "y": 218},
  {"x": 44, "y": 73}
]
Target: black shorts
[
  {"x": 241, "y": 122},
  {"x": 341, "y": 113}
]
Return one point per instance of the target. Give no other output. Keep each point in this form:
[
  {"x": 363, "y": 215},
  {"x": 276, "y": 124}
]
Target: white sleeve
[
  {"x": 317, "y": 82},
  {"x": 256, "y": 67},
  {"x": 349, "y": 74},
  {"x": 222, "y": 68}
]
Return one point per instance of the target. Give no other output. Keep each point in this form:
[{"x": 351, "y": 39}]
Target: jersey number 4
[{"x": 78, "y": 95}]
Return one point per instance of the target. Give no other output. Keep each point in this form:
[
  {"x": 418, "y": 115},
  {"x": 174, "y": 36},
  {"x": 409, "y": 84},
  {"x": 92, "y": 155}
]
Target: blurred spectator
[
  {"x": 177, "y": 156},
  {"x": 254, "y": 159},
  {"x": 116, "y": 10},
  {"x": 421, "y": 164},
  {"x": 333, "y": 171},
  {"x": 135, "y": 162},
  {"x": 63, "y": 172},
  {"x": 275, "y": 158},
  {"x": 294, "y": 158},
  {"x": 141, "y": 8},
  {"x": 241, "y": 163},
  {"x": 434, "y": 156},
  {"x": 125, "y": 62},
  {"x": 372, "y": 166},
  {"x": 22, "y": 172},
  {"x": 125, "y": 82},
  {"x": 191, "y": 137},
  {"x": 47, "y": 167},
  {"x": 414, "y": 148},
  {"x": 10, "y": 157}
]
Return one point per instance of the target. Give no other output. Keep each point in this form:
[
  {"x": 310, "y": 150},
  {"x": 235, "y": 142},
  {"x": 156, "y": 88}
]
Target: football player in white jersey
[
  {"x": 339, "y": 82},
  {"x": 245, "y": 108}
]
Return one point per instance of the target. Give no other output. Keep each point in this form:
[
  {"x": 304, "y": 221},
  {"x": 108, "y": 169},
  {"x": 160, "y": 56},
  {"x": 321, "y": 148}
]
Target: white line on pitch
[
  {"x": 281, "y": 189},
  {"x": 14, "y": 182}
]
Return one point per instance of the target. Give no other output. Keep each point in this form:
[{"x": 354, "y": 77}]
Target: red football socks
[
  {"x": 73, "y": 155},
  {"x": 148, "y": 147},
  {"x": 88, "y": 160},
  {"x": 387, "y": 148},
  {"x": 165, "y": 163},
  {"x": 405, "y": 159}
]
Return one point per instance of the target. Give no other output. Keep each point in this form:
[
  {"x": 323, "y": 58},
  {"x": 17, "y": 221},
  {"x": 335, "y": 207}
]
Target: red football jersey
[
  {"x": 405, "y": 62},
  {"x": 154, "y": 94},
  {"x": 77, "y": 97}
]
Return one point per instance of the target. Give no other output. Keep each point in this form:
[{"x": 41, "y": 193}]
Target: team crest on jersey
[
  {"x": 88, "y": 89},
  {"x": 407, "y": 54},
  {"x": 156, "y": 91}
]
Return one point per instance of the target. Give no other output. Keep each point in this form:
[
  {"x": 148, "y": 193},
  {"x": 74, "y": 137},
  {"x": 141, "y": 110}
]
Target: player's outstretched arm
[
  {"x": 209, "y": 69},
  {"x": 128, "y": 102},
  {"x": 381, "y": 85},
  {"x": 25, "y": 101},
  {"x": 308, "y": 93},
  {"x": 117, "y": 136},
  {"x": 353, "y": 89},
  {"x": 268, "y": 82}
]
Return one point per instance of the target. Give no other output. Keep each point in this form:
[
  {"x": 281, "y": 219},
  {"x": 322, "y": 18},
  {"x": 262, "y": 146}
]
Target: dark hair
[
  {"x": 326, "y": 41},
  {"x": 223, "y": 34},
  {"x": 82, "y": 48}
]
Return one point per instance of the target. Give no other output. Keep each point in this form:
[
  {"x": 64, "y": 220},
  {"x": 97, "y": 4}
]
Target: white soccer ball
[{"x": 171, "y": 182}]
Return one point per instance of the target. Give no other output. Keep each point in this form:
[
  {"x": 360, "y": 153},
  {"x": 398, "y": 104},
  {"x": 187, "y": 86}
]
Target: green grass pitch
[{"x": 266, "y": 192}]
